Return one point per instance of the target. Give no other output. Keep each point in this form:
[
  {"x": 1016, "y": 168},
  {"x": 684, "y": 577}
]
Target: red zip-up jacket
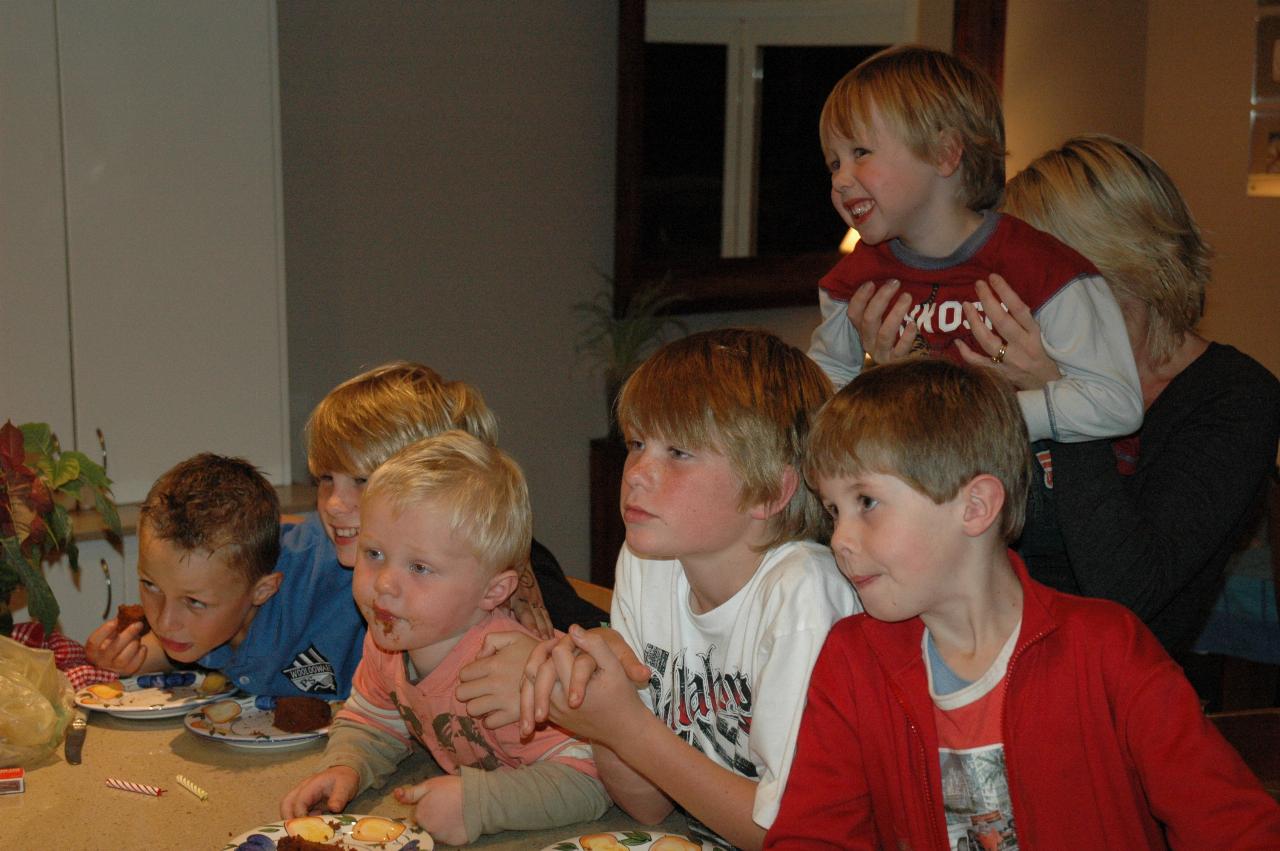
[{"x": 1105, "y": 742}]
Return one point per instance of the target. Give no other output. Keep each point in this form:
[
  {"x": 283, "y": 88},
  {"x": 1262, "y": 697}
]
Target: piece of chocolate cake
[
  {"x": 301, "y": 714},
  {"x": 127, "y": 616}
]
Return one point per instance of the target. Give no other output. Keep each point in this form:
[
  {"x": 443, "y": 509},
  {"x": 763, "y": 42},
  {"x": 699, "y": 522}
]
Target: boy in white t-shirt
[{"x": 722, "y": 590}]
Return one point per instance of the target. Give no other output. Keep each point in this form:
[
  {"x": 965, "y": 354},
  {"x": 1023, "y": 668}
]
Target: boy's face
[
  {"x": 883, "y": 190},
  {"x": 338, "y": 503},
  {"x": 682, "y": 503},
  {"x": 417, "y": 583},
  {"x": 896, "y": 545},
  {"x": 195, "y": 601}
]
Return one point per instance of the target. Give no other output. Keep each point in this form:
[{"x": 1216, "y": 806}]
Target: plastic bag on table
[{"x": 35, "y": 703}]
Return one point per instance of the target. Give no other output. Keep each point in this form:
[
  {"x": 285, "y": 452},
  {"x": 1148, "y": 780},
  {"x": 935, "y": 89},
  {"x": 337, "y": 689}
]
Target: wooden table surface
[{"x": 70, "y": 807}]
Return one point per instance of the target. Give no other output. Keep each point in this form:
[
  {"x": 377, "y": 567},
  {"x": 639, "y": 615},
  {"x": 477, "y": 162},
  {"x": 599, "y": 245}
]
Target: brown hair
[
  {"x": 367, "y": 419},
  {"x": 1117, "y": 206},
  {"x": 746, "y": 394},
  {"x": 218, "y": 505},
  {"x": 932, "y": 423},
  {"x": 929, "y": 98}
]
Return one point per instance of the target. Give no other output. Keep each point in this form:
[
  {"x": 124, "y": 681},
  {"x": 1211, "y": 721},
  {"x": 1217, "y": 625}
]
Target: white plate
[
  {"x": 629, "y": 840},
  {"x": 253, "y": 728},
  {"x": 414, "y": 838},
  {"x": 152, "y": 702}
]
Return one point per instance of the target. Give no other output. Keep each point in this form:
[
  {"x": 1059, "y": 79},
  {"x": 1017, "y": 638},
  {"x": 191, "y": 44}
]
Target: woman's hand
[
  {"x": 490, "y": 685},
  {"x": 527, "y": 605},
  {"x": 1012, "y": 344},
  {"x": 878, "y": 329}
]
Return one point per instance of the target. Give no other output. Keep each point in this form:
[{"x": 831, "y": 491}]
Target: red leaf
[
  {"x": 33, "y": 544},
  {"x": 39, "y": 498},
  {"x": 11, "y": 452}
]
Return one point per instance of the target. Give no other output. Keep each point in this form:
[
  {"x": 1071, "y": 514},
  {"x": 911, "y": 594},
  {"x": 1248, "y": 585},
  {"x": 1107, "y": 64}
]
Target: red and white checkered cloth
[{"x": 68, "y": 655}]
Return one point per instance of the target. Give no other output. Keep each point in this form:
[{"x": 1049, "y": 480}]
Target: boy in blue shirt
[{"x": 221, "y": 587}]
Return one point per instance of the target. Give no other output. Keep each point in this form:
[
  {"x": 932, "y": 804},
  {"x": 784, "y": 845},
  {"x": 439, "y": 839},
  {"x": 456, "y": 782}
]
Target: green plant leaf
[
  {"x": 107, "y": 510},
  {"x": 40, "y": 600},
  {"x": 59, "y": 523},
  {"x": 72, "y": 552},
  {"x": 37, "y": 438},
  {"x": 66, "y": 470},
  {"x": 90, "y": 470}
]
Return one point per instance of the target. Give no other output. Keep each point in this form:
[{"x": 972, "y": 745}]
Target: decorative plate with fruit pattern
[{"x": 353, "y": 831}]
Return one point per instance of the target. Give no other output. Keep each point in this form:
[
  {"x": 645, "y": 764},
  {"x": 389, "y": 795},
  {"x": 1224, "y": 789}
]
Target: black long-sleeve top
[{"x": 1157, "y": 540}]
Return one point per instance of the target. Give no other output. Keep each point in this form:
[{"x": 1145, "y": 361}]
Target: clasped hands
[
  {"x": 1012, "y": 344},
  {"x": 584, "y": 681}
]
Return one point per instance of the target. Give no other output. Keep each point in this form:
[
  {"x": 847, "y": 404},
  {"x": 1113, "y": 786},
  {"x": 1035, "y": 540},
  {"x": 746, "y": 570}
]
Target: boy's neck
[
  {"x": 945, "y": 233},
  {"x": 715, "y": 579},
  {"x": 972, "y": 625},
  {"x": 427, "y": 659}
]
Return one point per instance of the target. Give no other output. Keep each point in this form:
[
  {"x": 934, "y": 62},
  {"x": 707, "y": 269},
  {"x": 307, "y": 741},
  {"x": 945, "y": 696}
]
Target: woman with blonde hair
[{"x": 1149, "y": 520}]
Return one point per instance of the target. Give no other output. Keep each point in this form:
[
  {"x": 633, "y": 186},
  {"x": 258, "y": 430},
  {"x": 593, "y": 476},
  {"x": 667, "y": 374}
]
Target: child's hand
[
  {"x": 597, "y": 713},
  {"x": 1015, "y": 346},
  {"x": 561, "y": 667},
  {"x": 527, "y": 605},
  {"x": 490, "y": 686},
  {"x": 878, "y": 329},
  {"x": 438, "y": 807},
  {"x": 120, "y": 652},
  {"x": 333, "y": 788}
]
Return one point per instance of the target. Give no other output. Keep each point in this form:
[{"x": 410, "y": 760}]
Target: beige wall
[
  {"x": 448, "y": 196},
  {"x": 1173, "y": 76},
  {"x": 1199, "y": 78}
]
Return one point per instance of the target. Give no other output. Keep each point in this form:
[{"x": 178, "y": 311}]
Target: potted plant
[
  {"x": 38, "y": 480},
  {"x": 616, "y": 344}
]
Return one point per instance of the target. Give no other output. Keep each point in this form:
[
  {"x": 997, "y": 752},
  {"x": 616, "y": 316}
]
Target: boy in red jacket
[{"x": 970, "y": 706}]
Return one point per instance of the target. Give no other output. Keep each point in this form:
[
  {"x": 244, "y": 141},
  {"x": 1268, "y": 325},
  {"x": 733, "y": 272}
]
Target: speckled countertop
[{"x": 70, "y": 806}]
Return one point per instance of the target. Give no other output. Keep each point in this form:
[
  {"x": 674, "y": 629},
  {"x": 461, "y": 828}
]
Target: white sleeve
[
  {"x": 624, "y": 612},
  {"x": 1099, "y": 394},
  {"x": 809, "y": 605},
  {"x": 835, "y": 345}
]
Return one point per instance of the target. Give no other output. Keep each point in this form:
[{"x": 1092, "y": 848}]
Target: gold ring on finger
[{"x": 998, "y": 357}]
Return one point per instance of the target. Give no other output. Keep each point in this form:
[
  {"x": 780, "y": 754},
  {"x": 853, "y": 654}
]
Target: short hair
[
  {"x": 480, "y": 485},
  {"x": 218, "y": 505},
  {"x": 932, "y": 423},
  {"x": 1117, "y": 206},
  {"x": 746, "y": 394},
  {"x": 925, "y": 95},
  {"x": 367, "y": 419}
]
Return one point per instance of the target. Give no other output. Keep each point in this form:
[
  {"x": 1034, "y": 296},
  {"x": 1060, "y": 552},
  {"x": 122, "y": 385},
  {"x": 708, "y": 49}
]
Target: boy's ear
[
  {"x": 266, "y": 587},
  {"x": 790, "y": 481},
  {"x": 950, "y": 152},
  {"x": 500, "y": 587},
  {"x": 983, "y": 501}
]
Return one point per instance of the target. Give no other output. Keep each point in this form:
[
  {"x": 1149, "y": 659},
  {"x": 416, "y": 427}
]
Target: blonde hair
[
  {"x": 216, "y": 505},
  {"x": 367, "y": 419},
  {"x": 480, "y": 485},
  {"x": 1116, "y": 206},
  {"x": 932, "y": 423},
  {"x": 931, "y": 100},
  {"x": 743, "y": 393}
]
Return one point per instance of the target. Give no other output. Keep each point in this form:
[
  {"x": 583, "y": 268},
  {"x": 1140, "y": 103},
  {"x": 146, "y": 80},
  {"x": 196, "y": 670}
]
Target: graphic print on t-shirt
[
  {"x": 702, "y": 705},
  {"x": 311, "y": 672},
  {"x": 975, "y": 798}
]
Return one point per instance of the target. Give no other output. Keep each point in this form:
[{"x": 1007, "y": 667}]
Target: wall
[
  {"x": 1173, "y": 76},
  {"x": 1199, "y": 78},
  {"x": 448, "y": 185}
]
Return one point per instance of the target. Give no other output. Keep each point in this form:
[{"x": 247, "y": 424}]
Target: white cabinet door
[
  {"x": 174, "y": 238},
  {"x": 35, "y": 350}
]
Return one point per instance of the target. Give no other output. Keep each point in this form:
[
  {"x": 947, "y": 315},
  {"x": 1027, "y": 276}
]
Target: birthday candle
[
  {"x": 193, "y": 788},
  {"x": 140, "y": 788}
]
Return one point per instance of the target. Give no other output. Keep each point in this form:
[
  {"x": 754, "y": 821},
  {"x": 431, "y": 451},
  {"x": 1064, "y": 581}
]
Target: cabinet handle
[{"x": 106, "y": 574}]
